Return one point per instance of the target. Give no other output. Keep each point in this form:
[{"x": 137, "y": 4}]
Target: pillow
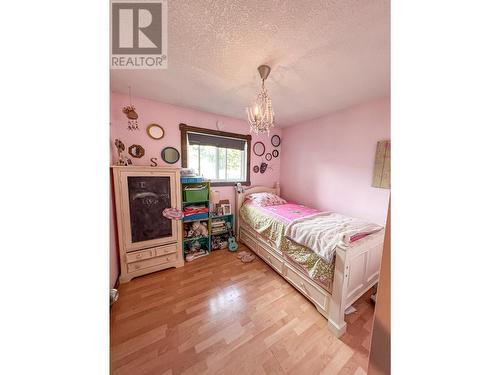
[{"x": 265, "y": 199}]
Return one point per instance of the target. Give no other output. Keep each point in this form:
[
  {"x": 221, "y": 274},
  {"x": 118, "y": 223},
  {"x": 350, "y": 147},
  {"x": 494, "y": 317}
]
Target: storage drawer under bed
[
  {"x": 271, "y": 259},
  {"x": 249, "y": 240},
  {"x": 313, "y": 292},
  {"x": 301, "y": 282}
]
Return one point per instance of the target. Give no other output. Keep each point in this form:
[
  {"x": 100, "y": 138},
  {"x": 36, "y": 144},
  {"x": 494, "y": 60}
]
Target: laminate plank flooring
[{"x": 217, "y": 315}]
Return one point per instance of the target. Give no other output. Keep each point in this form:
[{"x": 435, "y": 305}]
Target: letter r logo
[{"x": 137, "y": 28}]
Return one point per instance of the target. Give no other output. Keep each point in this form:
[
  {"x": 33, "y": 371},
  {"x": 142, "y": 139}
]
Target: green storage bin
[{"x": 195, "y": 195}]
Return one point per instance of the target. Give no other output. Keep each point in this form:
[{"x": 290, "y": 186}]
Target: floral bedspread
[{"x": 271, "y": 221}]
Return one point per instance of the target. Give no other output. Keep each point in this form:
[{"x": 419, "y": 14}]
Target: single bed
[{"x": 330, "y": 287}]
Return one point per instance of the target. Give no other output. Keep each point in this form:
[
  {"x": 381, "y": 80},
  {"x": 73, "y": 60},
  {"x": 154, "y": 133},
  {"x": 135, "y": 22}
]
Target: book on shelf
[{"x": 215, "y": 232}]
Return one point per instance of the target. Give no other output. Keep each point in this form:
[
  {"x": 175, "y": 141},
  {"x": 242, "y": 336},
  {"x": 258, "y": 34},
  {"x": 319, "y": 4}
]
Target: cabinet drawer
[
  {"x": 167, "y": 249},
  {"x": 172, "y": 257},
  {"x": 140, "y": 255},
  {"x": 271, "y": 259},
  {"x": 136, "y": 266},
  {"x": 314, "y": 293}
]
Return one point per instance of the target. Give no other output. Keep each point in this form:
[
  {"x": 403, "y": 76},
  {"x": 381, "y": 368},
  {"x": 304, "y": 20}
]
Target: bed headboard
[{"x": 240, "y": 198}]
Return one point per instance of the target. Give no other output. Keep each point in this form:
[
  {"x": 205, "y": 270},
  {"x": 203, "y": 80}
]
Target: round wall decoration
[
  {"x": 276, "y": 153},
  {"x": 170, "y": 155},
  {"x": 268, "y": 156},
  {"x": 256, "y": 169},
  {"x": 259, "y": 149},
  {"x": 136, "y": 151},
  {"x": 155, "y": 131},
  {"x": 275, "y": 140}
]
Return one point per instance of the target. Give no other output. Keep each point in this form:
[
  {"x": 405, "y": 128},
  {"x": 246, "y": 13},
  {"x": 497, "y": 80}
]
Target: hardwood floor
[{"x": 218, "y": 315}]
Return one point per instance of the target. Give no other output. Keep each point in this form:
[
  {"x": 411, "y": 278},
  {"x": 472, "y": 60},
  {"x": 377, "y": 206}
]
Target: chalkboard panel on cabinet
[{"x": 148, "y": 197}]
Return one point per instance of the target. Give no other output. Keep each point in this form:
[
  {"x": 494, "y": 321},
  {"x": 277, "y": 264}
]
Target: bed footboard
[{"x": 356, "y": 271}]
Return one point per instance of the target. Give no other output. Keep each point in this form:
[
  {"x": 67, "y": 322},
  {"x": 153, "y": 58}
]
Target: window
[{"x": 222, "y": 157}]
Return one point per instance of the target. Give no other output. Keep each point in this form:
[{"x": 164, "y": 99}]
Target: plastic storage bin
[
  {"x": 195, "y": 195},
  {"x": 190, "y": 180}
]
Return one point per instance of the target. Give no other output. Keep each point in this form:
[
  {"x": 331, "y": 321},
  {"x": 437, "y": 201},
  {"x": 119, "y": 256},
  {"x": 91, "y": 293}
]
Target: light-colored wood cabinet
[{"x": 148, "y": 241}]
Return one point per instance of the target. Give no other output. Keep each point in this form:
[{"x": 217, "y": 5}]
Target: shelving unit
[
  {"x": 187, "y": 199},
  {"x": 220, "y": 235},
  {"x": 204, "y": 240}
]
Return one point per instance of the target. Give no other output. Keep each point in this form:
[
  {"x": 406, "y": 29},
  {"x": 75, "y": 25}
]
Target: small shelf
[
  {"x": 195, "y": 183},
  {"x": 195, "y": 238},
  {"x": 200, "y": 256},
  {"x": 219, "y": 216}
]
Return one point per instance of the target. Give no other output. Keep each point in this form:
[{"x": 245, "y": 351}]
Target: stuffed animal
[
  {"x": 199, "y": 229},
  {"x": 204, "y": 229},
  {"x": 195, "y": 247},
  {"x": 195, "y": 229}
]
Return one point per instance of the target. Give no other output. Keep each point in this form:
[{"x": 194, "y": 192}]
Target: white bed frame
[{"x": 356, "y": 270}]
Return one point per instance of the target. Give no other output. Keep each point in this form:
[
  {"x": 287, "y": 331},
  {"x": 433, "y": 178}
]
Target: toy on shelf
[
  {"x": 195, "y": 251},
  {"x": 195, "y": 229},
  {"x": 220, "y": 242}
]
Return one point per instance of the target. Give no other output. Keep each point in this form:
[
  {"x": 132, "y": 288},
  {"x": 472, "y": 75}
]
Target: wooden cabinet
[{"x": 148, "y": 241}]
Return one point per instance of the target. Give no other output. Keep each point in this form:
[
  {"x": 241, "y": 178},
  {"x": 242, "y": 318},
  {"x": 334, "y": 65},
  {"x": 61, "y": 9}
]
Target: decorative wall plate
[
  {"x": 268, "y": 156},
  {"x": 276, "y": 153},
  {"x": 259, "y": 149},
  {"x": 155, "y": 131},
  {"x": 275, "y": 140},
  {"x": 263, "y": 167},
  {"x": 136, "y": 151},
  {"x": 170, "y": 155},
  {"x": 256, "y": 169}
]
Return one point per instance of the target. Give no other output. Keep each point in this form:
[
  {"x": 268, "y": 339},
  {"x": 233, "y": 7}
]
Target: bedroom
[
  {"x": 214, "y": 187},
  {"x": 239, "y": 178}
]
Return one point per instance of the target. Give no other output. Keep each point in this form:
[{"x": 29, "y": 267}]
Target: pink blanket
[{"x": 289, "y": 211}]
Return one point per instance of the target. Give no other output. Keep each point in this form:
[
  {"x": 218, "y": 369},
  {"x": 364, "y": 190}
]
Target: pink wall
[
  {"x": 327, "y": 163},
  {"x": 169, "y": 116}
]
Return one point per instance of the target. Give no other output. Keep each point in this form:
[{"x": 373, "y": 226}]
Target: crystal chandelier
[{"x": 261, "y": 114}]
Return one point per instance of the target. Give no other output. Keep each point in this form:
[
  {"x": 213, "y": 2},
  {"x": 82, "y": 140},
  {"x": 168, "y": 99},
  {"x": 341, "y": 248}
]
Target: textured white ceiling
[{"x": 324, "y": 55}]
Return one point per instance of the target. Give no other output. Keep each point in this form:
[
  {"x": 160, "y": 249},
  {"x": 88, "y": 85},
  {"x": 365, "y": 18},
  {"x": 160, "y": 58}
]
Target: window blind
[{"x": 216, "y": 141}]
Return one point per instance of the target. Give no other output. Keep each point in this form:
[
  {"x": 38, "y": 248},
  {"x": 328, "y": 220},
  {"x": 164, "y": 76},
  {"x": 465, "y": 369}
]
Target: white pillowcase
[{"x": 265, "y": 199}]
